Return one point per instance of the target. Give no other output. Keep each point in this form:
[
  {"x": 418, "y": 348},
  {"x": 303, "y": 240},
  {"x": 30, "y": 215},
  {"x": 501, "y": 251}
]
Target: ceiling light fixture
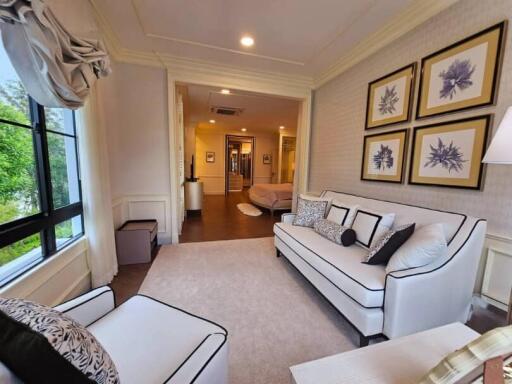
[
  {"x": 247, "y": 41},
  {"x": 281, "y": 127},
  {"x": 225, "y": 91},
  {"x": 212, "y": 121},
  {"x": 244, "y": 129}
]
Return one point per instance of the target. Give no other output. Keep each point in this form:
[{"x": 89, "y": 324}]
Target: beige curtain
[
  {"x": 99, "y": 227},
  {"x": 56, "y": 68}
]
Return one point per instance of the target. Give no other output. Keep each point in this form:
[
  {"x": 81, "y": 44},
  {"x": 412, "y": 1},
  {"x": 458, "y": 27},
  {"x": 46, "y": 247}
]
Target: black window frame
[{"x": 43, "y": 222}]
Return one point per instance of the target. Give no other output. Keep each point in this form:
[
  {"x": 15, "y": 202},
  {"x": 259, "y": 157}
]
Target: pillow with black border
[
  {"x": 381, "y": 252},
  {"x": 370, "y": 226},
  {"x": 342, "y": 213},
  {"x": 42, "y": 345},
  {"x": 335, "y": 232}
]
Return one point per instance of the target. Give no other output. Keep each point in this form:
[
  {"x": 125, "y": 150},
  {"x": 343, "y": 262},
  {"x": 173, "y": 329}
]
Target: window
[{"x": 40, "y": 194}]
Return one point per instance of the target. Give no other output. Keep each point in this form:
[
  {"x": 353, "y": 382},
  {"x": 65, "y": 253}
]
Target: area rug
[
  {"x": 275, "y": 319},
  {"x": 248, "y": 209}
]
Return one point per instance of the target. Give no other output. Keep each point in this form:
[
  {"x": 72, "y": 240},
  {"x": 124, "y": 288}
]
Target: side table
[{"x": 135, "y": 241}]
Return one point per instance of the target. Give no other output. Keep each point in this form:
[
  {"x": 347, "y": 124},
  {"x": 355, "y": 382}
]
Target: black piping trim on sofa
[
  {"x": 332, "y": 265},
  {"x": 442, "y": 265},
  {"x": 464, "y": 217},
  {"x": 330, "y": 281},
  {"x": 210, "y": 359},
  {"x": 374, "y": 336},
  {"x": 225, "y": 334},
  {"x": 379, "y": 219},
  {"x": 426, "y": 272},
  {"x": 187, "y": 358}
]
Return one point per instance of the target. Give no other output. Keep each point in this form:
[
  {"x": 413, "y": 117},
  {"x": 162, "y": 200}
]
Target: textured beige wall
[{"x": 339, "y": 115}]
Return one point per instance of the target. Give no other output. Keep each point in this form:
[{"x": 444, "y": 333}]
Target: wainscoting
[
  {"x": 137, "y": 207},
  {"x": 494, "y": 279},
  {"x": 63, "y": 276}
]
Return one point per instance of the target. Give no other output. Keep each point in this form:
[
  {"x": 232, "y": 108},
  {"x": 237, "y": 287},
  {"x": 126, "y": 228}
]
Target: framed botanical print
[
  {"x": 210, "y": 157},
  {"x": 389, "y": 98},
  {"x": 461, "y": 76},
  {"x": 450, "y": 154},
  {"x": 383, "y": 156}
]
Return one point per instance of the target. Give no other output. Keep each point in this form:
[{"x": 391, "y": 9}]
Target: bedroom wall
[
  {"x": 338, "y": 130},
  {"x": 339, "y": 118},
  {"x": 212, "y": 174}
]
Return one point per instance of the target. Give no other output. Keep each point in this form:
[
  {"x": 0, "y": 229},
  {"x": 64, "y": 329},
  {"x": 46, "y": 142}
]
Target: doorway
[{"x": 239, "y": 167}]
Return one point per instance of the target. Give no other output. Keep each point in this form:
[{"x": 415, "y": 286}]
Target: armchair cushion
[{"x": 40, "y": 344}]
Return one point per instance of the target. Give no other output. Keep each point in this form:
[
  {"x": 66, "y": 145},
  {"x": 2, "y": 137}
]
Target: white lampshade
[{"x": 500, "y": 150}]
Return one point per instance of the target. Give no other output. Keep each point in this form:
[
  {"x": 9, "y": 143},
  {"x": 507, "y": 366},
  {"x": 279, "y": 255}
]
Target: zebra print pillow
[{"x": 40, "y": 344}]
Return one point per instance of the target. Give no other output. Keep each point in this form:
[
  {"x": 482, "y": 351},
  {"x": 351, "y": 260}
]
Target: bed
[{"x": 275, "y": 197}]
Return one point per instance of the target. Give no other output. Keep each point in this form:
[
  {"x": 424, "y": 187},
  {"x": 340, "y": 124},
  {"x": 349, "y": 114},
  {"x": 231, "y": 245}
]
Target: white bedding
[{"x": 278, "y": 196}]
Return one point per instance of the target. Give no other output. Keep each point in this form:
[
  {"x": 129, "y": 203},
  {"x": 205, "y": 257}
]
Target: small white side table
[
  {"x": 193, "y": 195},
  {"x": 399, "y": 361}
]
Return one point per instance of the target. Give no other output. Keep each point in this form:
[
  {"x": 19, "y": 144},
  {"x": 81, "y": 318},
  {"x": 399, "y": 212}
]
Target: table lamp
[{"x": 500, "y": 152}]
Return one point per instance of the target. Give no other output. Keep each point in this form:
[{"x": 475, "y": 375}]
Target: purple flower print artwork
[
  {"x": 388, "y": 101},
  {"x": 447, "y": 156},
  {"x": 383, "y": 158},
  {"x": 457, "y": 77}
]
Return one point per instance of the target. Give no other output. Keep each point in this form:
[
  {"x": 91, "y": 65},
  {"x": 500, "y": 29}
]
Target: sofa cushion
[
  {"x": 342, "y": 213},
  {"x": 335, "y": 232},
  {"x": 309, "y": 210},
  {"x": 150, "y": 342},
  {"x": 342, "y": 266},
  {"x": 41, "y": 344}
]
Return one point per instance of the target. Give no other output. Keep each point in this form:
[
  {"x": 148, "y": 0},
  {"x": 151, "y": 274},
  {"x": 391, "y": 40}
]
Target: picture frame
[
  {"x": 210, "y": 157},
  {"x": 389, "y": 99},
  {"x": 449, "y": 154},
  {"x": 384, "y": 156},
  {"x": 267, "y": 158},
  {"x": 463, "y": 75}
]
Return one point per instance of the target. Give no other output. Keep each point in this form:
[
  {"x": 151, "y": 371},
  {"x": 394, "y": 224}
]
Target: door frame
[
  {"x": 226, "y": 159},
  {"x": 213, "y": 75}
]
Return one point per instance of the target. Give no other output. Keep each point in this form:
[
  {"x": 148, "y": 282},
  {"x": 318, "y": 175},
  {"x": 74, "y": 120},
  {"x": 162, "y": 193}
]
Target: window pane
[
  {"x": 19, "y": 196},
  {"x": 63, "y": 169},
  {"x": 60, "y": 120},
  {"x": 68, "y": 229},
  {"x": 20, "y": 254},
  {"x": 13, "y": 97}
]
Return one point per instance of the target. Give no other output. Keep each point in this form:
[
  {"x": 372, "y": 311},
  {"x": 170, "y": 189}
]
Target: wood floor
[{"x": 221, "y": 220}]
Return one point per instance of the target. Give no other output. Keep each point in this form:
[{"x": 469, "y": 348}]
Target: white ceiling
[
  {"x": 261, "y": 113},
  {"x": 300, "y": 37}
]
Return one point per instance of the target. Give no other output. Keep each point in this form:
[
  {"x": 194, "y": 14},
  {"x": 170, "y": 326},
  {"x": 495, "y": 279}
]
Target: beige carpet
[{"x": 275, "y": 319}]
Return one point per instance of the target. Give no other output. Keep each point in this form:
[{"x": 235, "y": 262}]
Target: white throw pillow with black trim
[
  {"x": 427, "y": 244},
  {"x": 371, "y": 225},
  {"x": 310, "y": 210},
  {"x": 342, "y": 213},
  {"x": 385, "y": 247},
  {"x": 335, "y": 232},
  {"x": 42, "y": 345}
]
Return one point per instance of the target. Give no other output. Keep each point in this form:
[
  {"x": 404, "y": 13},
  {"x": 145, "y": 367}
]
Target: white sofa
[
  {"x": 149, "y": 341},
  {"x": 401, "y": 302}
]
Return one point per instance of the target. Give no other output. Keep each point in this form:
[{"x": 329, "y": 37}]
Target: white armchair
[{"x": 150, "y": 341}]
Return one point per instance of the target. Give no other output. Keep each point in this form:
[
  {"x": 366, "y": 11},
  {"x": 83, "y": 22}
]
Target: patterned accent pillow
[
  {"x": 335, "y": 232},
  {"x": 40, "y": 344},
  {"x": 309, "y": 211},
  {"x": 386, "y": 246}
]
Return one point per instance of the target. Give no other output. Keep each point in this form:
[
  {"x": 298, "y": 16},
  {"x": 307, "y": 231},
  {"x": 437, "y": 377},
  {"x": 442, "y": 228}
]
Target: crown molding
[
  {"x": 216, "y": 74},
  {"x": 415, "y": 14}
]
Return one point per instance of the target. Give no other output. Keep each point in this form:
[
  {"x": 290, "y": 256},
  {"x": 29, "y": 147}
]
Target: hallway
[{"x": 221, "y": 220}]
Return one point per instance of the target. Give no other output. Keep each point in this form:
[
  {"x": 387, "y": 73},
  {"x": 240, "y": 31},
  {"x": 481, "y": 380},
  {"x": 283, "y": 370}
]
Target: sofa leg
[
  {"x": 363, "y": 341},
  {"x": 278, "y": 253}
]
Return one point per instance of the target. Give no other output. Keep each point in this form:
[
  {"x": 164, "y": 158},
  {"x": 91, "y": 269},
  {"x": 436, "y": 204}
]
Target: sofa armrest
[
  {"x": 427, "y": 297},
  {"x": 287, "y": 218},
  {"x": 90, "y": 306}
]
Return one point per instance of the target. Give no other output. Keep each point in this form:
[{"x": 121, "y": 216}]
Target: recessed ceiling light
[
  {"x": 225, "y": 91},
  {"x": 244, "y": 129},
  {"x": 247, "y": 41},
  {"x": 281, "y": 127},
  {"x": 212, "y": 121}
]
